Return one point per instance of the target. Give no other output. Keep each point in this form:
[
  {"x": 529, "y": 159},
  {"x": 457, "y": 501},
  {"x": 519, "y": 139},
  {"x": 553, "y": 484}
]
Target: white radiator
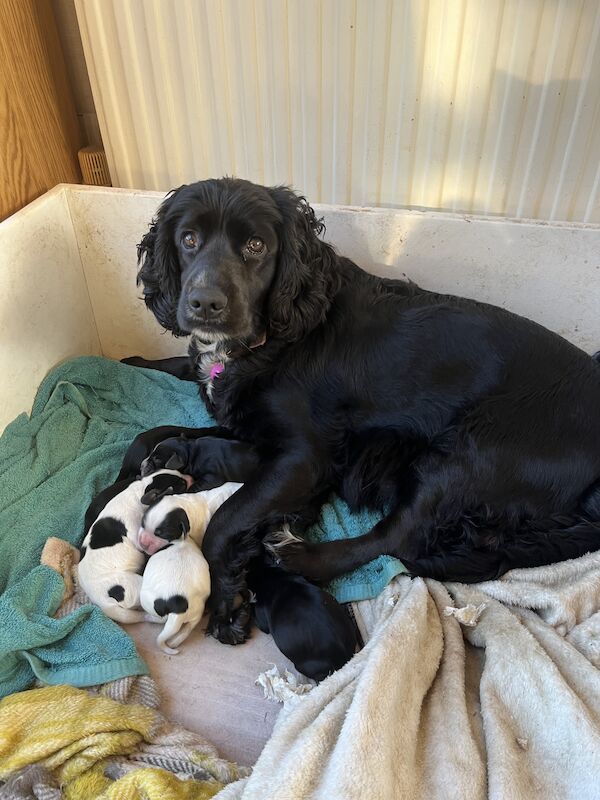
[{"x": 480, "y": 106}]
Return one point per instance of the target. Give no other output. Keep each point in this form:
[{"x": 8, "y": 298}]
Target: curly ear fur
[
  {"x": 159, "y": 268},
  {"x": 306, "y": 276}
]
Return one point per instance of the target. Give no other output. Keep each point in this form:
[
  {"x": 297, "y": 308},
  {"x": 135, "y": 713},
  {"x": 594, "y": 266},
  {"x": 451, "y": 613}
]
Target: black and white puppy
[
  {"x": 111, "y": 562},
  {"x": 176, "y": 582},
  {"x": 174, "y": 590},
  {"x": 307, "y": 623}
]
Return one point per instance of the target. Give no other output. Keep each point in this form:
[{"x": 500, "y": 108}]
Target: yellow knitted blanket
[{"x": 90, "y": 747}]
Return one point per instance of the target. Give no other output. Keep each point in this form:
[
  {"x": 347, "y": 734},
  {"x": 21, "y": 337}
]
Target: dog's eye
[
  {"x": 190, "y": 240},
  {"x": 256, "y": 246}
]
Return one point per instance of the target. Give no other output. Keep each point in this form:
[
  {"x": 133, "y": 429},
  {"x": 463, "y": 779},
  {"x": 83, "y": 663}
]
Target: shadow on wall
[{"x": 546, "y": 273}]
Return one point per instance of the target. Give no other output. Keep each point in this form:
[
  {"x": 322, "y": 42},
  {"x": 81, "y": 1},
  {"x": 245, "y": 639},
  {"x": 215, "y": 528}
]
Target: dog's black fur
[
  {"x": 476, "y": 431},
  {"x": 307, "y": 624}
]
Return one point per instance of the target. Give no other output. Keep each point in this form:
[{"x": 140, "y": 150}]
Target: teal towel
[
  {"x": 83, "y": 648},
  {"x": 337, "y": 522},
  {"x": 85, "y": 415}
]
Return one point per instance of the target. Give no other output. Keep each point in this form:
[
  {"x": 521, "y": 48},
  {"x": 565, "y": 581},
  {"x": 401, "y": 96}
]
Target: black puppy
[
  {"x": 214, "y": 462},
  {"x": 307, "y": 624},
  {"x": 144, "y": 443}
]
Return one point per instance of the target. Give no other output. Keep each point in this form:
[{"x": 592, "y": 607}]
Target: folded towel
[{"x": 83, "y": 648}]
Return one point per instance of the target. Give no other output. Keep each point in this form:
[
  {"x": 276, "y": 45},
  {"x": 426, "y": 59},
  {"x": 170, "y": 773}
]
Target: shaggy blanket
[{"x": 461, "y": 693}]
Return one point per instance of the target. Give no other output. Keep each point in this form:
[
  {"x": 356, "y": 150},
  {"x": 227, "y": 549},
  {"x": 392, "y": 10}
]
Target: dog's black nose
[{"x": 207, "y": 303}]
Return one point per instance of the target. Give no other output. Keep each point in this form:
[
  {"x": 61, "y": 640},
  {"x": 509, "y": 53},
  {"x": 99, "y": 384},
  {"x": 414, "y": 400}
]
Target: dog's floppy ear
[
  {"x": 306, "y": 277},
  {"x": 159, "y": 267}
]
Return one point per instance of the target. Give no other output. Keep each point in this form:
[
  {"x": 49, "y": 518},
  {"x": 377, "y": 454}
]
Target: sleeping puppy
[
  {"x": 176, "y": 581},
  {"x": 176, "y": 586},
  {"x": 213, "y": 462},
  {"x": 307, "y": 624},
  {"x": 111, "y": 562},
  {"x": 144, "y": 443}
]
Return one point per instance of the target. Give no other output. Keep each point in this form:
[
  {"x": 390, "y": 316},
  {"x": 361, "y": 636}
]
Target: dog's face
[
  {"x": 226, "y": 244},
  {"x": 228, "y": 260}
]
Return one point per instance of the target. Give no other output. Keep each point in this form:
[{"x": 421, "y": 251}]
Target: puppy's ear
[
  {"x": 159, "y": 271},
  {"x": 306, "y": 277},
  {"x": 154, "y": 495},
  {"x": 175, "y": 462}
]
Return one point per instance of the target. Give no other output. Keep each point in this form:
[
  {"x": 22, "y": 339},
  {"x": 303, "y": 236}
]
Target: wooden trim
[{"x": 39, "y": 134}]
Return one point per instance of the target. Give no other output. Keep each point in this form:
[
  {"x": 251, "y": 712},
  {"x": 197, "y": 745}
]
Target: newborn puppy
[
  {"x": 176, "y": 581},
  {"x": 111, "y": 562},
  {"x": 307, "y": 623},
  {"x": 144, "y": 443},
  {"x": 176, "y": 585},
  {"x": 211, "y": 460}
]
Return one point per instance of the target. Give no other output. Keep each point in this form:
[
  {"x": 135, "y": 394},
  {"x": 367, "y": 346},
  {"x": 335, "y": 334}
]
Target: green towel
[{"x": 85, "y": 415}]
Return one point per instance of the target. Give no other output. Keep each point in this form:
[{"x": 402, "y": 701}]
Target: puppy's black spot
[
  {"x": 176, "y": 604},
  {"x": 160, "y": 607},
  {"x": 175, "y": 525},
  {"x": 117, "y": 592},
  {"x": 107, "y": 532}
]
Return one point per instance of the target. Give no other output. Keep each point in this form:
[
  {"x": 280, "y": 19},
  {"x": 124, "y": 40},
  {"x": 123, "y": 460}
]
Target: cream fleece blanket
[{"x": 505, "y": 704}]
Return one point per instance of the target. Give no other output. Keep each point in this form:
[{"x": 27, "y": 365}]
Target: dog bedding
[
  {"x": 461, "y": 691},
  {"x": 85, "y": 415},
  {"x": 481, "y": 692}
]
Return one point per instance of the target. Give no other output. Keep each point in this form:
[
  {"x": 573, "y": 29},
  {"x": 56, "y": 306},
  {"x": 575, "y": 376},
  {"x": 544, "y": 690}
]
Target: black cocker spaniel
[{"x": 476, "y": 431}]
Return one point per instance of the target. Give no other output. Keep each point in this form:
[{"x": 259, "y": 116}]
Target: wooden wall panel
[{"x": 39, "y": 135}]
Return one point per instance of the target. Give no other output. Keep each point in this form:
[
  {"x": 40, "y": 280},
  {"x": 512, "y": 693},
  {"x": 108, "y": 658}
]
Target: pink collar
[
  {"x": 219, "y": 366},
  {"x": 216, "y": 369}
]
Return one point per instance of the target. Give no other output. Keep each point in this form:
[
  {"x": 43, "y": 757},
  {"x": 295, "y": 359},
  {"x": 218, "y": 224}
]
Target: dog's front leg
[
  {"x": 287, "y": 487},
  {"x": 179, "y": 366}
]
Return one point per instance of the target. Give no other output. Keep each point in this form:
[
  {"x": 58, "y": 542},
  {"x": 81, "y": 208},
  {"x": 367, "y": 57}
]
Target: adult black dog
[{"x": 477, "y": 431}]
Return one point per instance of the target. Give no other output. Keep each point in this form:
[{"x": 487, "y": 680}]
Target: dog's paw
[
  {"x": 231, "y": 625},
  {"x": 295, "y": 555},
  {"x": 278, "y": 541}
]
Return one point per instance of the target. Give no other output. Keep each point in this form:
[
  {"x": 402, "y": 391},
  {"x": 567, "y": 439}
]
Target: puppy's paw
[{"x": 231, "y": 625}]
